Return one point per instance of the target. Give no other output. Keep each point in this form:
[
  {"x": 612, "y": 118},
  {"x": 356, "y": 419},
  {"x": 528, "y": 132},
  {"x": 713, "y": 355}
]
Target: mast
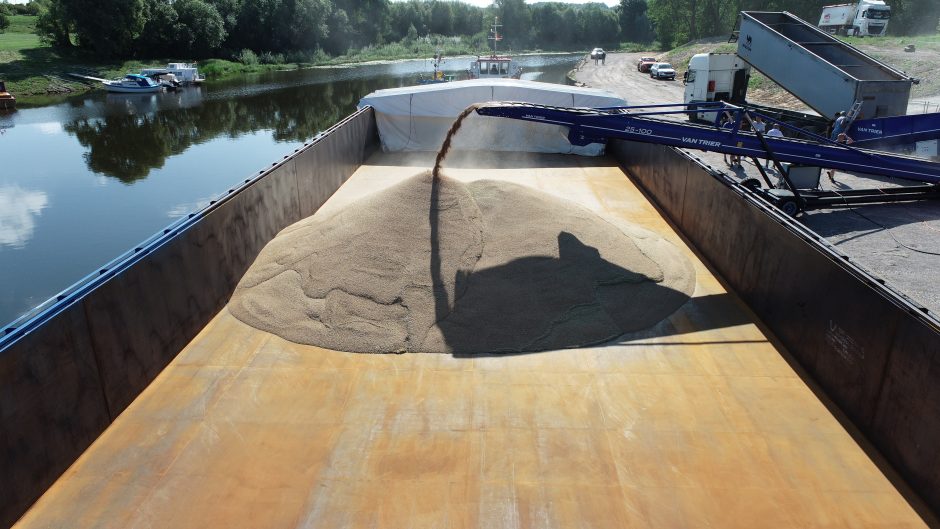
[{"x": 495, "y": 37}]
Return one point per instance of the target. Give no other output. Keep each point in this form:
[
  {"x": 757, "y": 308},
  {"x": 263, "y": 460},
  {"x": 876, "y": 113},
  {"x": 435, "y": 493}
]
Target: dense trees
[
  {"x": 201, "y": 28},
  {"x": 679, "y": 21}
]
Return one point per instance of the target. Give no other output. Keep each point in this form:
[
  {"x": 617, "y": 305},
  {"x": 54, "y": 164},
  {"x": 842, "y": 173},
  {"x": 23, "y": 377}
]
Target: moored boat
[
  {"x": 438, "y": 75},
  {"x": 7, "y": 100},
  {"x": 185, "y": 73},
  {"x": 133, "y": 84},
  {"x": 495, "y": 66},
  {"x": 165, "y": 79}
]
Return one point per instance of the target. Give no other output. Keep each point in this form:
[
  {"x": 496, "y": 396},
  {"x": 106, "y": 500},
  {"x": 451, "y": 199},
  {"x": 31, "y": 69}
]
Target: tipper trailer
[{"x": 827, "y": 74}]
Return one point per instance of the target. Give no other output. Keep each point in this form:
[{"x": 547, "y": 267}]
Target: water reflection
[
  {"x": 18, "y": 211},
  {"x": 62, "y": 203},
  {"x": 131, "y": 135},
  {"x": 138, "y": 134}
]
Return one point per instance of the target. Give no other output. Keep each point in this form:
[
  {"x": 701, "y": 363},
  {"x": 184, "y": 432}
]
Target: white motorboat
[
  {"x": 185, "y": 73},
  {"x": 133, "y": 84}
]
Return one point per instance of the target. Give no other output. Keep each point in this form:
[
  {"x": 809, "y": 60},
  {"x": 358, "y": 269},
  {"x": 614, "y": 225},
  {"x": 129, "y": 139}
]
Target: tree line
[
  {"x": 239, "y": 28},
  {"x": 680, "y": 21}
]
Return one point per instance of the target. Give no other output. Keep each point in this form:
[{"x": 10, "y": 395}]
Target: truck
[
  {"x": 867, "y": 18},
  {"x": 724, "y": 77}
]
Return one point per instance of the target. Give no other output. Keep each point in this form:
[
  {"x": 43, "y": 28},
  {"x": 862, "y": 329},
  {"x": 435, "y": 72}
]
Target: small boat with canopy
[{"x": 133, "y": 84}]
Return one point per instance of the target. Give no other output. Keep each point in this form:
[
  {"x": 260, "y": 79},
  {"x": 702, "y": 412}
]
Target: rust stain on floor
[{"x": 698, "y": 422}]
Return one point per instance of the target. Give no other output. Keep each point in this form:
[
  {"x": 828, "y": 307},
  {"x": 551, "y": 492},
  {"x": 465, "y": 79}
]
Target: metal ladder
[{"x": 853, "y": 113}]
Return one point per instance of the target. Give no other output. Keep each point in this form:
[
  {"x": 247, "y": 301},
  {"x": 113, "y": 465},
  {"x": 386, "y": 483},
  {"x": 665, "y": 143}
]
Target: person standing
[
  {"x": 842, "y": 138},
  {"x": 775, "y": 132},
  {"x": 759, "y": 125},
  {"x": 839, "y": 126}
]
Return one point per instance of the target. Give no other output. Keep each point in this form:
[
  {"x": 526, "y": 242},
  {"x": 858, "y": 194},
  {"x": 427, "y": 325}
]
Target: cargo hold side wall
[
  {"x": 876, "y": 355},
  {"x": 86, "y": 358}
]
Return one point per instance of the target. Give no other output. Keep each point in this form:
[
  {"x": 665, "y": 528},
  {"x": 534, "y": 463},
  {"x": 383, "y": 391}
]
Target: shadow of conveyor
[{"x": 540, "y": 303}]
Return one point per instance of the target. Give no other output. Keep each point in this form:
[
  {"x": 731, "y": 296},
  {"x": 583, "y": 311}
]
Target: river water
[{"x": 85, "y": 180}]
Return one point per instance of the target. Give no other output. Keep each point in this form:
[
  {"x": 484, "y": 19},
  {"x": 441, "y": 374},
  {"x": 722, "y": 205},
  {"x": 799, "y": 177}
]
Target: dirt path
[{"x": 619, "y": 75}]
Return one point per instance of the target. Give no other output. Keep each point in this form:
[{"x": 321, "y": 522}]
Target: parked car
[
  {"x": 645, "y": 63},
  {"x": 597, "y": 53},
  {"x": 662, "y": 70}
]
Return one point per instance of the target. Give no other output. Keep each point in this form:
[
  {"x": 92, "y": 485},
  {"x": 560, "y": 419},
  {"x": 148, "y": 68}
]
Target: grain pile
[{"x": 436, "y": 265}]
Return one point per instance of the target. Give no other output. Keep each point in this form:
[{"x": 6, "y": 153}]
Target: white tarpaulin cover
[{"x": 416, "y": 118}]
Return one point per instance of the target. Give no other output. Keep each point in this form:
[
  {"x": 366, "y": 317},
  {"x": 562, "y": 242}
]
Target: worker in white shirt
[
  {"x": 759, "y": 124},
  {"x": 775, "y": 132}
]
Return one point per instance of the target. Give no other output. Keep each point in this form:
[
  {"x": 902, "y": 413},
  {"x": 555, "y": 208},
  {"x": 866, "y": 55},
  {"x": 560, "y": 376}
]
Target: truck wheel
[{"x": 789, "y": 206}]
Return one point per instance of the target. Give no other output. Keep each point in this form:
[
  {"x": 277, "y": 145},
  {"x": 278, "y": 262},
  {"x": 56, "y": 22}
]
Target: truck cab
[
  {"x": 715, "y": 77},
  {"x": 867, "y": 18},
  {"x": 871, "y": 18}
]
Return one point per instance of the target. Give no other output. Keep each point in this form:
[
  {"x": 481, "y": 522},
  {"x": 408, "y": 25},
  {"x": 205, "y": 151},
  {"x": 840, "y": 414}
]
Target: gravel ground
[{"x": 898, "y": 242}]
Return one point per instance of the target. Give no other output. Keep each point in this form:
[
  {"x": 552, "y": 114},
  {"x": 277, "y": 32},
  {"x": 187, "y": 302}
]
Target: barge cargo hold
[{"x": 195, "y": 419}]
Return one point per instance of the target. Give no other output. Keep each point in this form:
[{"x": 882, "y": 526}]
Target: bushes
[
  {"x": 250, "y": 58},
  {"x": 271, "y": 58},
  {"x": 247, "y": 57}
]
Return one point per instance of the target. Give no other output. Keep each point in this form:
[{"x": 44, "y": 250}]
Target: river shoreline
[{"x": 50, "y": 88}]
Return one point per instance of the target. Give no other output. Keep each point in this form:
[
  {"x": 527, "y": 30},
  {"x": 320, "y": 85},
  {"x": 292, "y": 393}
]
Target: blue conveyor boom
[{"x": 588, "y": 125}]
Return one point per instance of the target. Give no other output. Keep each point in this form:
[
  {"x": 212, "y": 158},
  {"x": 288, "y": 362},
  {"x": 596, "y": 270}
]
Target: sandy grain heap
[{"x": 435, "y": 265}]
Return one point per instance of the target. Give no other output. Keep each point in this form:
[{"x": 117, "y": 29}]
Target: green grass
[
  {"x": 20, "y": 35},
  {"x": 679, "y": 57},
  {"x": 13, "y": 42},
  {"x": 635, "y": 47},
  {"x": 932, "y": 41},
  {"x": 22, "y": 24}
]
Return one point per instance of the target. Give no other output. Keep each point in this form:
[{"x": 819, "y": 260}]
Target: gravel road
[
  {"x": 619, "y": 75},
  {"x": 898, "y": 242}
]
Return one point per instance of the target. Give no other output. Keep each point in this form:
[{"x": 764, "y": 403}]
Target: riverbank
[{"x": 38, "y": 74}]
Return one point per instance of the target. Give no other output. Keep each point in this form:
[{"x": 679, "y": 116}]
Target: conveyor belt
[{"x": 598, "y": 125}]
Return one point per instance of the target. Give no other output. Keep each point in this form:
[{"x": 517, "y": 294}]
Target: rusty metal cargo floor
[{"x": 699, "y": 422}]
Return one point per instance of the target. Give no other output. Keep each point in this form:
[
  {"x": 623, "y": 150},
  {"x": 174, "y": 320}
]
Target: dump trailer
[{"x": 825, "y": 73}]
